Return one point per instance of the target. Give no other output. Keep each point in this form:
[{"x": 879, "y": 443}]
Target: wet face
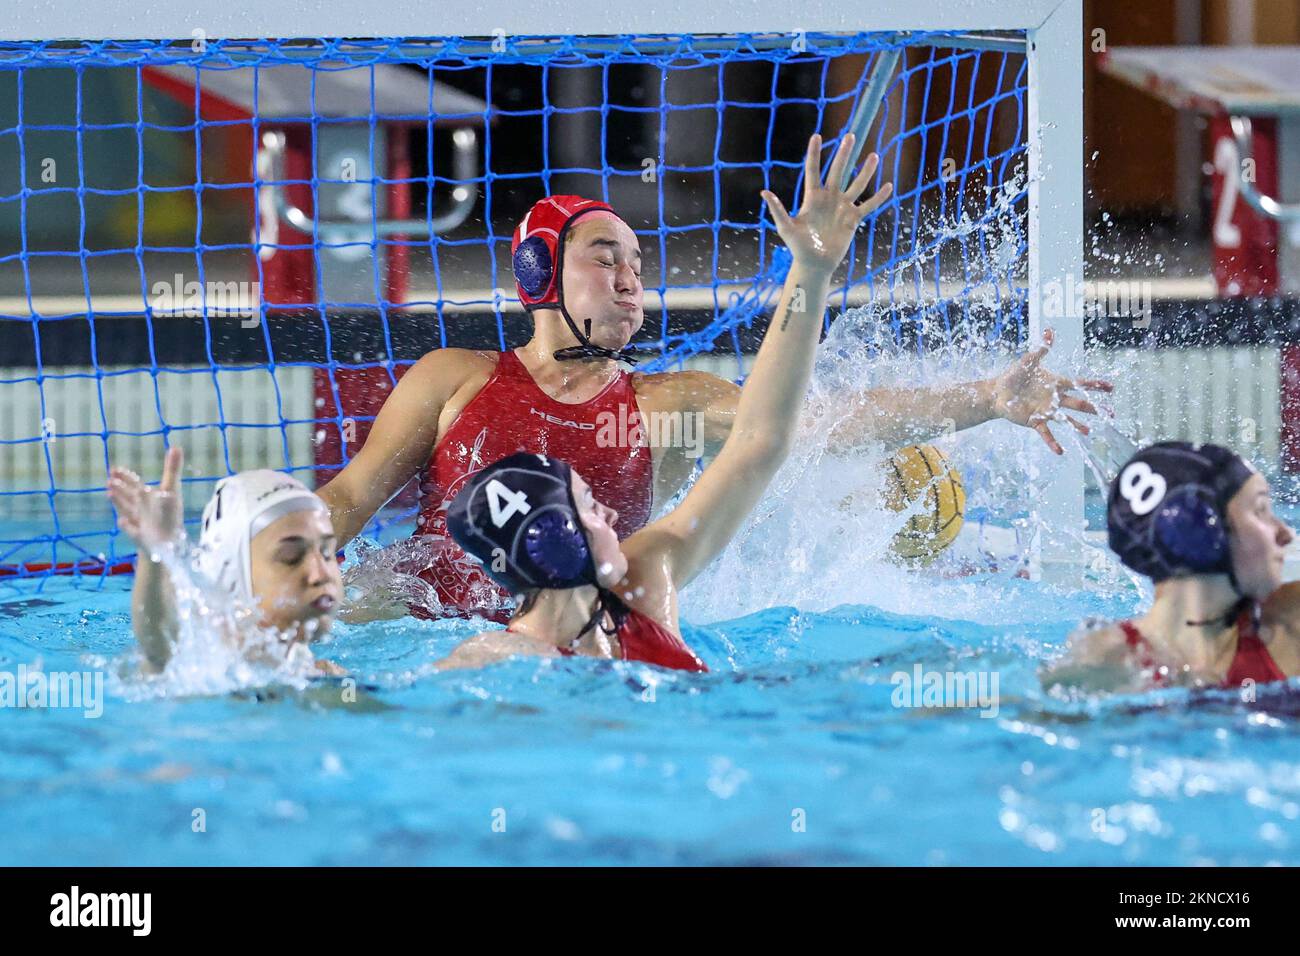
[
  {"x": 296, "y": 578},
  {"x": 598, "y": 521},
  {"x": 602, "y": 279},
  {"x": 1259, "y": 539}
]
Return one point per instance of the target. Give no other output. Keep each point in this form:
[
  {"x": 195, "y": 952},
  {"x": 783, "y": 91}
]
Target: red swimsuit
[
  {"x": 602, "y": 439},
  {"x": 642, "y": 638},
  {"x": 1251, "y": 662}
]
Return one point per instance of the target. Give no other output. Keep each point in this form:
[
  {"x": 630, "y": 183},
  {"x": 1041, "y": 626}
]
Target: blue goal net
[{"x": 240, "y": 246}]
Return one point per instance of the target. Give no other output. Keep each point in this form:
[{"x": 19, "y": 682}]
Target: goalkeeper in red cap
[{"x": 566, "y": 393}]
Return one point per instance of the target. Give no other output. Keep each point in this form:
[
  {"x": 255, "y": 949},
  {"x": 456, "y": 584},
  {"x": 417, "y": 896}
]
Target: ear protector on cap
[
  {"x": 533, "y": 266},
  {"x": 1189, "y": 527},
  {"x": 557, "y": 545}
]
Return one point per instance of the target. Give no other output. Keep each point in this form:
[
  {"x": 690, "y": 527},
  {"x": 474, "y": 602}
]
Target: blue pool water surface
[{"x": 790, "y": 751}]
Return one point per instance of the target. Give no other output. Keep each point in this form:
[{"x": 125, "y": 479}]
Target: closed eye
[{"x": 610, "y": 265}]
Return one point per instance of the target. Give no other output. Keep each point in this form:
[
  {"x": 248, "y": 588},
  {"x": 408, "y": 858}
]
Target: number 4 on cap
[{"x": 504, "y": 503}]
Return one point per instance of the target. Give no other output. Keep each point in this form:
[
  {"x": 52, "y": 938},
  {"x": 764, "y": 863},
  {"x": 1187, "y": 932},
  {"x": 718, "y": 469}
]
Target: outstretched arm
[
  {"x": 773, "y": 397},
  {"x": 484, "y": 649},
  {"x": 152, "y": 518},
  {"x": 904, "y": 416},
  {"x": 1025, "y": 393}
]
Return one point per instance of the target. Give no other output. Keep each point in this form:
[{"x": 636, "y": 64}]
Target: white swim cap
[{"x": 240, "y": 507}]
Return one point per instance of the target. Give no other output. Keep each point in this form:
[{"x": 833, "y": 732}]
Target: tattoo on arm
[{"x": 797, "y": 304}]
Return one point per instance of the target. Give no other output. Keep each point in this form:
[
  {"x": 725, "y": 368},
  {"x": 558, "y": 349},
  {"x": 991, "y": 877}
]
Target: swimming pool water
[{"x": 791, "y": 751}]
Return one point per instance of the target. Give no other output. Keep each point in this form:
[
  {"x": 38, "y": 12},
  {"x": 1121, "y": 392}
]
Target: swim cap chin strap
[{"x": 586, "y": 350}]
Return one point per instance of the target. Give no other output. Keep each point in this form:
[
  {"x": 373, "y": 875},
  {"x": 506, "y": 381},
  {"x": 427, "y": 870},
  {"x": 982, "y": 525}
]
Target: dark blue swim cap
[
  {"x": 1167, "y": 510},
  {"x": 518, "y": 518}
]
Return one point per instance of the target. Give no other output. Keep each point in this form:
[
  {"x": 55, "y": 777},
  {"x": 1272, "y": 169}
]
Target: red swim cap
[{"x": 537, "y": 249}]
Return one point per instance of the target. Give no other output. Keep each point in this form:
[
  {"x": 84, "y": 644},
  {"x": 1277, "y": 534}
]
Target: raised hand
[
  {"x": 820, "y": 235},
  {"x": 151, "y": 516},
  {"x": 1030, "y": 395}
]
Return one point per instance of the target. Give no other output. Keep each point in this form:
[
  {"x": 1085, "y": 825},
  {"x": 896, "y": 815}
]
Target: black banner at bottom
[{"x": 339, "y": 906}]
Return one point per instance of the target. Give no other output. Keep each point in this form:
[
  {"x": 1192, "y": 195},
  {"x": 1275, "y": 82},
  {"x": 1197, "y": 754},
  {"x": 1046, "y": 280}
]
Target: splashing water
[
  {"x": 821, "y": 535},
  {"x": 383, "y": 582}
]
